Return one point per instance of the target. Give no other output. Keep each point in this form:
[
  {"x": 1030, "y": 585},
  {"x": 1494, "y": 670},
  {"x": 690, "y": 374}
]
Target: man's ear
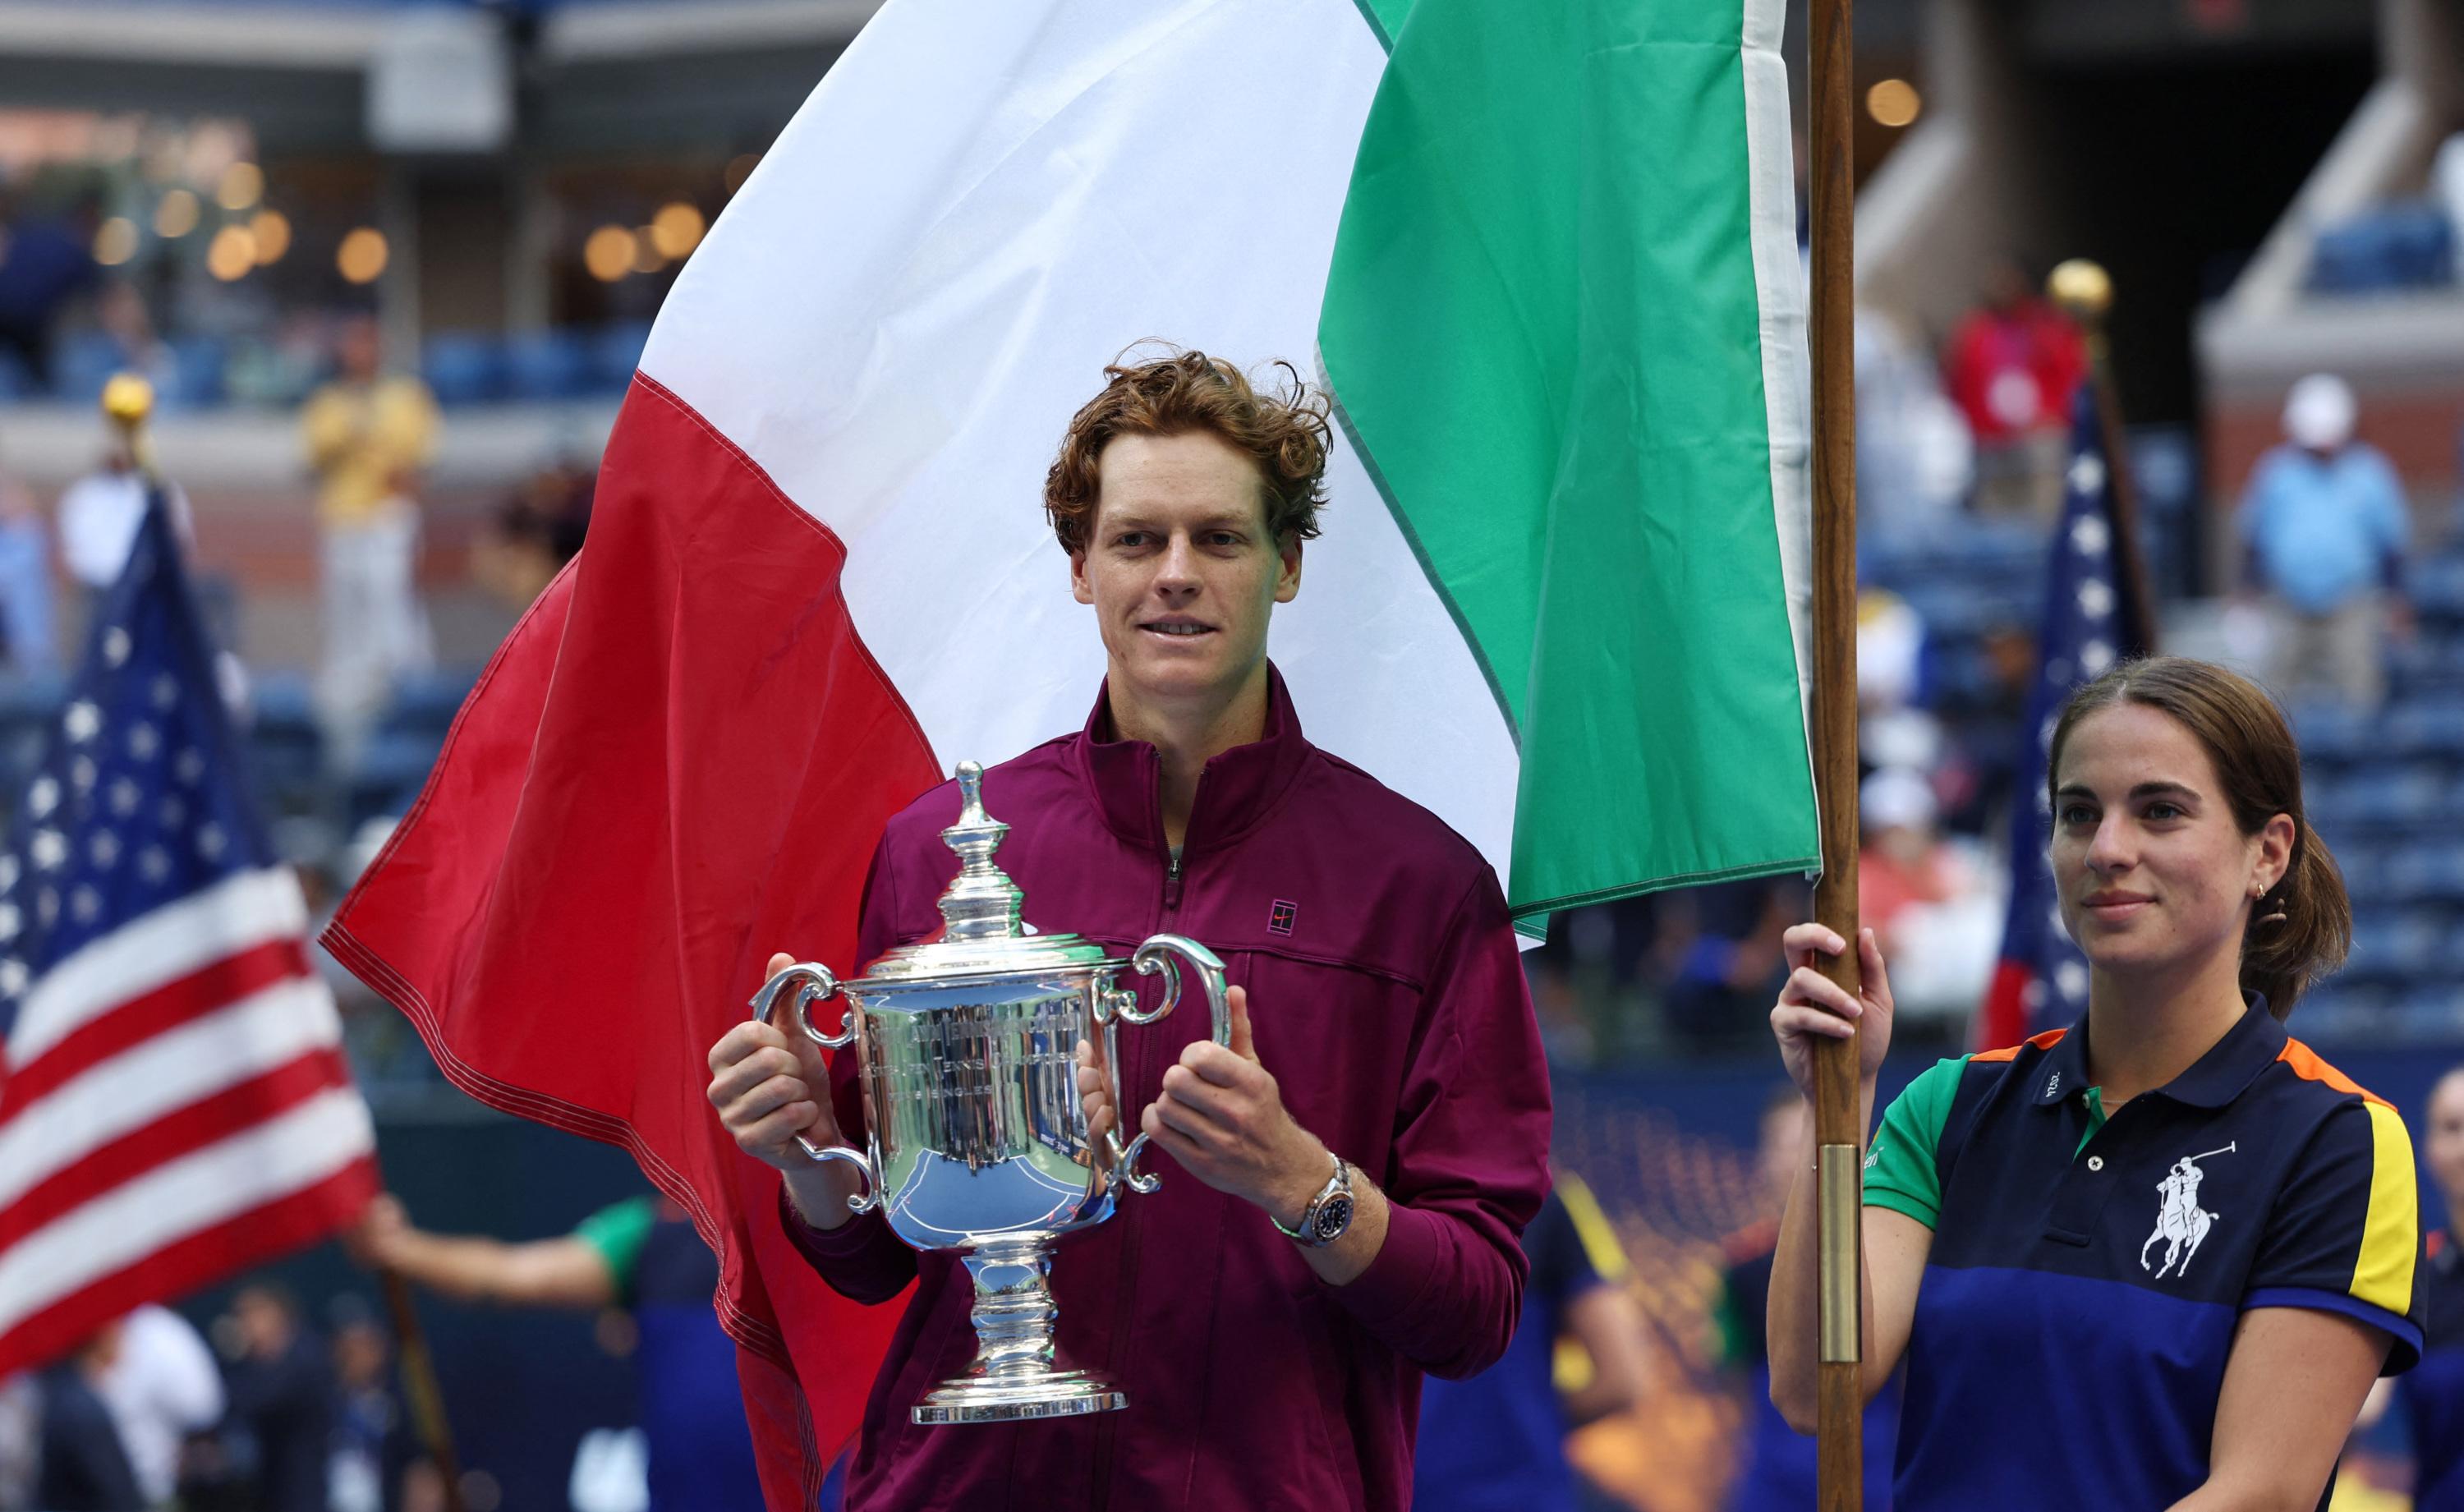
[
  {"x": 1080, "y": 589},
  {"x": 1287, "y": 578}
]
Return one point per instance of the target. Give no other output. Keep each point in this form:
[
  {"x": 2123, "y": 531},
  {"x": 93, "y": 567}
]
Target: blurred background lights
[
  {"x": 738, "y": 169},
  {"x": 361, "y": 256},
  {"x": 177, "y": 215},
  {"x": 242, "y": 185},
  {"x": 271, "y": 229},
  {"x": 608, "y": 253},
  {"x": 233, "y": 254},
  {"x": 1893, "y": 102},
  {"x": 115, "y": 241},
  {"x": 646, "y": 250},
  {"x": 676, "y": 230}
]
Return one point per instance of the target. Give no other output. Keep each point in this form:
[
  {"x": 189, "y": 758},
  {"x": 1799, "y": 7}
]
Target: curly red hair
[{"x": 1285, "y": 432}]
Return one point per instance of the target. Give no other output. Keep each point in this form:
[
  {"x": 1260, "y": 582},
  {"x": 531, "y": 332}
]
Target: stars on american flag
[{"x": 126, "y": 813}]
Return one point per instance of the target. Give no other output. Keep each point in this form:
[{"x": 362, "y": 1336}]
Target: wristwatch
[{"x": 1328, "y": 1215}]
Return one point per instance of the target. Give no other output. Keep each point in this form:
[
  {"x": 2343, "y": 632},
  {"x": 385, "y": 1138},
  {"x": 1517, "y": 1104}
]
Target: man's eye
[
  {"x": 2076, "y": 814},
  {"x": 1132, "y": 538},
  {"x": 2164, "y": 811}
]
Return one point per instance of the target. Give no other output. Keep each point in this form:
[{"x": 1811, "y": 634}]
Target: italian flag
[{"x": 1543, "y": 255}]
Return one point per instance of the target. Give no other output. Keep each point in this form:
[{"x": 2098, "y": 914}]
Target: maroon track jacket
[{"x": 1387, "y": 997}]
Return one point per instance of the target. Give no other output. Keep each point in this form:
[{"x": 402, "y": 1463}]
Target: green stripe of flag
[{"x": 1550, "y": 337}]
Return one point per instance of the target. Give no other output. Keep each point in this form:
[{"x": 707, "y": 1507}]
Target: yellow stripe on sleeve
[
  {"x": 2391, "y": 1233},
  {"x": 1593, "y": 1227}
]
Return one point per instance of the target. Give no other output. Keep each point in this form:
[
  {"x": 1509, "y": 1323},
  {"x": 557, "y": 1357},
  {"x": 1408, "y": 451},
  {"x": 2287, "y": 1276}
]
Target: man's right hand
[{"x": 770, "y": 1084}]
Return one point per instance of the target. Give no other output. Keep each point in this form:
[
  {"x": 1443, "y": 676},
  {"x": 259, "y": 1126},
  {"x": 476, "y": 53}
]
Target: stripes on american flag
[{"x": 174, "y": 1104}]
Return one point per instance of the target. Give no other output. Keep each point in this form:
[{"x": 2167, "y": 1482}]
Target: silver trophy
[{"x": 975, "y": 1140}]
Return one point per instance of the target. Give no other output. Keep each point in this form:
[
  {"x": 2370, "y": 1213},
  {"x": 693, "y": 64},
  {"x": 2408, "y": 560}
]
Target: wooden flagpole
[{"x": 1838, "y": 1123}]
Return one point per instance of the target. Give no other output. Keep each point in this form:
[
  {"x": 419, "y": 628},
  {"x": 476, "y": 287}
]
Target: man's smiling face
[{"x": 1180, "y": 567}]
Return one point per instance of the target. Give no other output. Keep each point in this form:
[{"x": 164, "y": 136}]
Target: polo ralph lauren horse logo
[{"x": 2181, "y": 1223}]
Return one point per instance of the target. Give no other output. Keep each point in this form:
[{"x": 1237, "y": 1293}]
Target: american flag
[
  {"x": 2041, "y": 979},
  {"x": 174, "y": 1104}
]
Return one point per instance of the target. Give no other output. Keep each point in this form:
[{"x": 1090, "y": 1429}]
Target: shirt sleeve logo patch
[
  {"x": 2181, "y": 1224},
  {"x": 1280, "y": 917}
]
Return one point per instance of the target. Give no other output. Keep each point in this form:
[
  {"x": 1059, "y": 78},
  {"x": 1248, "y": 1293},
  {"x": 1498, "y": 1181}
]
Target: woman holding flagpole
[{"x": 2162, "y": 1251}]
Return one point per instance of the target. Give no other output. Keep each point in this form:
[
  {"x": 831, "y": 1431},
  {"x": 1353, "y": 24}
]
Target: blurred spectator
[
  {"x": 1723, "y": 943},
  {"x": 2011, "y": 367},
  {"x": 1915, "y": 458},
  {"x": 85, "y": 1464},
  {"x": 367, "y": 437},
  {"x": 21, "y": 1427},
  {"x": 374, "y": 1448},
  {"x": 2323, "y": 524},
  {"x": 44, "y": 265},
  {"x": 643, "y": 1256},
  {"x": 162, "y": 1388},
  {"x": 2447, "y": 183},
  {"x": 1776, "y": 1470},
  {"x": 534, "y": 532},
  {"x": 1496, "y": 1442},
  {"x": 134, "y": 347},
  {"x": 25, "y": 609},
  {"x": 282, "y": 1392},
  {"x": 100, "y": 513},
  {"x": 1937, "y": 920},
  {"x": 2431, "y": 1394}
]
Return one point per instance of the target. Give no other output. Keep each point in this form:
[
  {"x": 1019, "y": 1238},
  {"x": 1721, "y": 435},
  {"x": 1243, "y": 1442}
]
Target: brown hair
[
  {"x": 1284, "y": 433},
  {"x": 2302, "y": 927}
]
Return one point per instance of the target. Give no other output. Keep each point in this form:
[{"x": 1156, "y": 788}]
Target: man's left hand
[{"x": 1222, "y": 1117}]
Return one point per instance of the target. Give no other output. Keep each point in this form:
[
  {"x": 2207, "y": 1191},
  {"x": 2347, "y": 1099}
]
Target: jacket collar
[
  {"x": 1237, "y": 788},
  {"x": 2214, "y": 1079}
]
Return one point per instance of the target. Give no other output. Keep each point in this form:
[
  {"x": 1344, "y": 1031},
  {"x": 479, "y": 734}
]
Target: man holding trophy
[{"x": 1355, "y": 1151}]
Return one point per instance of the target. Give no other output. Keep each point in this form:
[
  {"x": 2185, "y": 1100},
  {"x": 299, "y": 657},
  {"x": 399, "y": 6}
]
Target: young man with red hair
[{"x": 1349, "y": 1178}]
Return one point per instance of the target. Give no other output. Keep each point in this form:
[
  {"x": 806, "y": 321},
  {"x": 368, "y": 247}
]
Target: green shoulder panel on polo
[
  {"x": 618, "y": 1232},
  {"x": 1901, "y": 1173}
]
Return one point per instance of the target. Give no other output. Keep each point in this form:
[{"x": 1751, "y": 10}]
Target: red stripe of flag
[
  {"x": 260, "y": 1234},
  {"x": 167, "y": 1007},
  {"x": 678, "y": 763},
  {"x": 227, "y": 1112}
]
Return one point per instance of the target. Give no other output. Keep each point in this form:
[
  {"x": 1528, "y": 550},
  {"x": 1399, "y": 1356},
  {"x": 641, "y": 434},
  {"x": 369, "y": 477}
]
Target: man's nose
[{"x": 1176, "y": 572}]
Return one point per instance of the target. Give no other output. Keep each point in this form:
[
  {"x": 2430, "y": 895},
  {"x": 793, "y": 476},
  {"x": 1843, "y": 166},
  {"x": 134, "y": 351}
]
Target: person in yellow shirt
[{"x": 367, "y": 436}]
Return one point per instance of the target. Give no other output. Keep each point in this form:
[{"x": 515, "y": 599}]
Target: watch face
[{"x": 1332, "y": 1220}]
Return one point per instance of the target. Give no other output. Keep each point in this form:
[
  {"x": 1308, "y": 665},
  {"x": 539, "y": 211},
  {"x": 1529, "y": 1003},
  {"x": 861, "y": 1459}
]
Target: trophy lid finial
[{"x": 981, "y": 902}]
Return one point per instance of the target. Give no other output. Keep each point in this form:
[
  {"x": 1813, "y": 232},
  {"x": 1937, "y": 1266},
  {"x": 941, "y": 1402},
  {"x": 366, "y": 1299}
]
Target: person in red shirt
[
  {"x": 1383, "y": 1038},
  {"x": 2013, "y": 366}
]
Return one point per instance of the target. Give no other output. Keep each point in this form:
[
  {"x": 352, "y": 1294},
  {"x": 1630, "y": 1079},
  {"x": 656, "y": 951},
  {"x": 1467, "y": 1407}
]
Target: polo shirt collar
[{"x": 2215, "y": 1080}]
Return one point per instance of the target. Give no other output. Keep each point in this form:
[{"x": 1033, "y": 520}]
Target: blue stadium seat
[
  {"x": 424, "y": 704},
  {"x": 2334, "y": 733},
  {"x": 2425, "y": 728},
  {"x": 463, "y": 367},
  {"x": 548, "y": 364},
  {"x": 2406, "y": 245},
  {"x": 617, "y": 350},
  {"x": 2430, "y": 871},
  {"x": 392, "y": 765},
  {"x": 2394, "y": 946}
]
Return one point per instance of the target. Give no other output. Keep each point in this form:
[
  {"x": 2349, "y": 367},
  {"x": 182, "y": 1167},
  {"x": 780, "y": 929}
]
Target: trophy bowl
[{"x": 975, "y": 1140}]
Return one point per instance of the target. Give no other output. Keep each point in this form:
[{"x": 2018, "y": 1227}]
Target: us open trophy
[{"x": 975, "y": 1140}]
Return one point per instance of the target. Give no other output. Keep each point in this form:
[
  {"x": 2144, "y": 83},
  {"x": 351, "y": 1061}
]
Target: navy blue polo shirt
[
  {"x": 2433, "y": 1394},
  {"x": 2087, "y": 1272}
]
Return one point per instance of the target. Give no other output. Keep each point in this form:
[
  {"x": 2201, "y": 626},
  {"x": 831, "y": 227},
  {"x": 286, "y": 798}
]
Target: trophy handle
[
  {"x": 1153, "y": 956},
  {"x": 813, "y": 982}
]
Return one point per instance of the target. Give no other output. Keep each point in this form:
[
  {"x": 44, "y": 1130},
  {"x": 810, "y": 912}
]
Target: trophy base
[{"x": 986, "y": 1400}]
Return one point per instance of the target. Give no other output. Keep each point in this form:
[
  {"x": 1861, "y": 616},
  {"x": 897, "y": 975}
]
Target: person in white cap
[{"x": 2324, "y": 523}]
